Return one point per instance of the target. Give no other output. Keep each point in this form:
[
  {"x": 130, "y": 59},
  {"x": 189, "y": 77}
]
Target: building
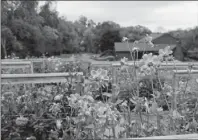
[
  {"x": 193, "y": 54},
  {"x": 159, "y": 40}
]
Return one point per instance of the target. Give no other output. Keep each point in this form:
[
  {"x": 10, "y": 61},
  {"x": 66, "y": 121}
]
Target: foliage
[
  {"x": 36, "y": 30},
  {"x": 189, "y": 39}
]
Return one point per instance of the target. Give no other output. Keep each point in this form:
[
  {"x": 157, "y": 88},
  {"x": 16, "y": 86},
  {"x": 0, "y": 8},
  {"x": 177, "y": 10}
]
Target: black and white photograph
[{"x": 99, "y": 70}]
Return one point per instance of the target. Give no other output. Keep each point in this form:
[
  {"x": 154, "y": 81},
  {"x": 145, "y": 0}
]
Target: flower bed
[{"x": 102, "y": 109}]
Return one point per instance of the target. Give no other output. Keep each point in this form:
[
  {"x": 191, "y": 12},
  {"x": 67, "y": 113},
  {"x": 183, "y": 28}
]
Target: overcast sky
[{"x": 153, "y": 14}]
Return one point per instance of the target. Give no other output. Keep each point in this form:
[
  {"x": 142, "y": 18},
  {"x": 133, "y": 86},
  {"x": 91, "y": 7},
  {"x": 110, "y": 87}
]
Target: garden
[{"x": 129, "y": 101}]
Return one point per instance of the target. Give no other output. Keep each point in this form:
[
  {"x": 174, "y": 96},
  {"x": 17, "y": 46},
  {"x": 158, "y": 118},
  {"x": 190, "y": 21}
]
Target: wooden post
[
  {"x": 32, "y": 71},
  {"x": 31, "y": 68},
  {"x": 114, "y": 73},
  {"x": 43, "y": 65},
  {"x": 174, "y": 100}
]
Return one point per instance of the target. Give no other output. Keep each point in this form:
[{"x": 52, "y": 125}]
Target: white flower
[
  {"x": 58, "y": 123},
  {"x": 135, "y": 49},
  {"x": 165, "y": 52},
  {"x": 95, "y": 74},
  {"x": 124, "y": 60},
  {"x": 103, "y": 75},
  {"x": 146, "y": 104},
  {"x": 148, "y": 38},
  {"x": 88, "y": 113},
  {"x": 21, "y": 121},
  {"x": 160, "y": 109},
  {"x": 81, "y": 42},
  {"x": 150, "y": 60},
  {"x": 124, "y": 39},
  {"x": 150, "y": 44},
  {"x": 18, "y": 99},
  {"x": 136, "y": 42},
  {"x": 176, "y": 115},
  {"x": 168, "y": 93},
  {"x": 100, "y": 73},
  {"x": 124, "y": 103}
]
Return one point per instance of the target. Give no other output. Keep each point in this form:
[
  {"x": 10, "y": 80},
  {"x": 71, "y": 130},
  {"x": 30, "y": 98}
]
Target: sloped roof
[
  {"x": 157, "y": 35},
  {"x": 153, "y": 35},
  {"x": 122, "y": 47}
]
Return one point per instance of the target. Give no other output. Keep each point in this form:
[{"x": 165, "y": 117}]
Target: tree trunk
[{"x": 3, "y": 43}]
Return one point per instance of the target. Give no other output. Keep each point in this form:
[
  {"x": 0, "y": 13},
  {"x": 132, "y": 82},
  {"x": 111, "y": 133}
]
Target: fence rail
[
  {"x": 36, "y": 78},
  {"x": 173, "y": 137},
  {"x": 17, "y": 65},
  {"x": 32, "y": 60}
]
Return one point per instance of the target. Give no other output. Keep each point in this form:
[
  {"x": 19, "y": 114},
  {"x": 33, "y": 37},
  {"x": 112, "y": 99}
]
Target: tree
[
  {"x": 52, "y": 37},
  {"x": 188, "y": 38},
  {"x": 7, "y": 39},
  {"x": 50, "y": 16},
  {"x": 134, "y": 33},
  {"x": 108, "y": 39}
]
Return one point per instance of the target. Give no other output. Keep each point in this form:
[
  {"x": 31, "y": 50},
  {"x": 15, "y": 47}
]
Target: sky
[{"x": 156, "y": 15}]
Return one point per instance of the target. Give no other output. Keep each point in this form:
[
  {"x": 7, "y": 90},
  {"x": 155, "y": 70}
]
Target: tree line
[{"x": 30, "y": 29}]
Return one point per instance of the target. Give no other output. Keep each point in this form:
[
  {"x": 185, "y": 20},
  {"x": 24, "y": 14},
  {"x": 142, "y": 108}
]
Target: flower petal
[
  {"x": 99, "y": 71},
  {"x": 106, "y": 78},
  {"x": 93, "y": 73},
  {"x": 103, "y": 73}
]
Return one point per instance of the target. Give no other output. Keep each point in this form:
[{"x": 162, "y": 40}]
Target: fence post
[
  {"x": 174, "y": 100},
  {"x": 32, "y": 70},
  {"x": 43, "y": 65},
  {"x": 31, "y": 67},
  {"x": 114, "y": 73}
]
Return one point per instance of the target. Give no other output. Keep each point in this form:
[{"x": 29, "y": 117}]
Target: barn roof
[
  {"x": 122, "y": 47},
  {"x": 153, "y": 35},
  {"x": 157, "y": 35}
]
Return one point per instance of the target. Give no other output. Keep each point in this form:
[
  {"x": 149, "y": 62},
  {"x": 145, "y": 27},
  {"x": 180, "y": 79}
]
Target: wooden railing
[
  {"x": 37, "y": 78},
  {"x": 172, "y": 137},
  {"x": 17, "y": 65},
  {"x": 132, "y": 62},
  {"x": 32, "y": 59}
]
